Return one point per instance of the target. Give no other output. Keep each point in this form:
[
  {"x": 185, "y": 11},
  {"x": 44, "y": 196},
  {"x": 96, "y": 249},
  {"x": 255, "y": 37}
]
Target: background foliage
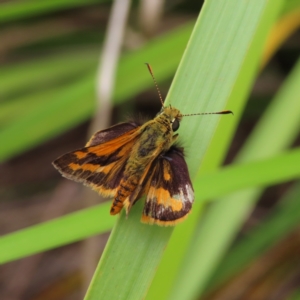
[{"x": 239, "y": 57}]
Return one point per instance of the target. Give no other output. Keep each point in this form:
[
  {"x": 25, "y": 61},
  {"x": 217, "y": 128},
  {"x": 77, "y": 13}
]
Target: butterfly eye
[{"x": 175, "y": 124}]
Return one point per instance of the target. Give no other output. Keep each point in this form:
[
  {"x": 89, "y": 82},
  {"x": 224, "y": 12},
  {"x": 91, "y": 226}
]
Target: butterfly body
[{"x": 155, "y": 137}]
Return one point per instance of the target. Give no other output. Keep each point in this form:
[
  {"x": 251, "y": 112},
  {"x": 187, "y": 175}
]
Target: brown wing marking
[
  {"x": 99, "y": 166},
  {"x": 111, "y": 133},
  {"x": 170, "y": 194}
]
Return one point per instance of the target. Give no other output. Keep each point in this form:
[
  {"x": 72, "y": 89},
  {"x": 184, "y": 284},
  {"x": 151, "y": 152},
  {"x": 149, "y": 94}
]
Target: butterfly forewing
[
  {"x": 111, "y": 133},
  {"x": 101, "y": 164}
]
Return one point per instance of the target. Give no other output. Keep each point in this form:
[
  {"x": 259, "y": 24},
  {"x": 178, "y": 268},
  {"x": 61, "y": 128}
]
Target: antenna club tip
[
  {"x": 149, "y": 67},
  {"x": 228, "y": 112}
]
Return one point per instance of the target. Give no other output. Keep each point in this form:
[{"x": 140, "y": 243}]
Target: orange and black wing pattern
[
  {"x": 101, "y": 163},
  {"x": 169, "y": 190}
]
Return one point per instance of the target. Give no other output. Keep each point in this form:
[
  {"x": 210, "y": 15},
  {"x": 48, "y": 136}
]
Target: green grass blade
[
  {"x": 251, "y": 22},
  {"x": 54, "y": 233},
  {"x": 87, "y": 222},
  {"x": 25, "y": 77},
  {"x": 38, "y": 123},
  {"x": 282, "y": 117},
  {"x": 285, "y": 217},
  {"x": 255, "y": 174},
  {"x": 189, "y": 84},
  {"x": 16, "y": 10},
  {"x": 127, "y": 264},
  {"x": 289, "y": 6},
  {"x": 226, "y": 216}
]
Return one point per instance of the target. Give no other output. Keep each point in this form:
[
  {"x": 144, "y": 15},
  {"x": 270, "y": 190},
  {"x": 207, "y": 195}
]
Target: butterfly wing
[
  {"x": 111, "y": 133},
  {"x": 101, "y": 163},
  {"x": 169, "y": 190}
]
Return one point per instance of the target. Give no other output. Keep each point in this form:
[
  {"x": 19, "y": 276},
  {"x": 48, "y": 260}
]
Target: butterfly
[{"x": 130, "y": 160}]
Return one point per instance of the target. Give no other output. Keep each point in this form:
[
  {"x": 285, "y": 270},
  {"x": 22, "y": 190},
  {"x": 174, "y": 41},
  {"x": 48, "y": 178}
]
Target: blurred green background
[{"x": 50, "y": 56}]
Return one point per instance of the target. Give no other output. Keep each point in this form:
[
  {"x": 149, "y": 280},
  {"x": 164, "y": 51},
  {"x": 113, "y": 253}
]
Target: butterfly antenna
[
  {"x": 154, "y": 80},
  {"x": 222, "y": 112}
]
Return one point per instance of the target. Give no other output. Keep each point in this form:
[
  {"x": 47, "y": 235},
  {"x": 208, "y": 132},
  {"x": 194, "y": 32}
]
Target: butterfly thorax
[{"x": 156, "y": 137}]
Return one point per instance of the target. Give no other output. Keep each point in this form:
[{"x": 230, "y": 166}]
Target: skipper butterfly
[{"x": 129, "y": 160}]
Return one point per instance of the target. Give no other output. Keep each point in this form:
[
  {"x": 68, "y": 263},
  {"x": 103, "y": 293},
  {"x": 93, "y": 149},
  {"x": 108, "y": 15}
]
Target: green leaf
[
  {"x": 37, "y": 121},
  {"x": 214, "y": 55},
  {"x": 275, "y": 131},
  {"x": 255, "y": 174},
  {"x": 97, "y": 220},
  {"x": 16, "y": 10},
  {"x": 239, "y": 47},
  {"x": 276, "y": 226},
  {"x": 54, "y": 233},
  {"x": 44, "y": 73},
  {"x": 282, "y": 117}
]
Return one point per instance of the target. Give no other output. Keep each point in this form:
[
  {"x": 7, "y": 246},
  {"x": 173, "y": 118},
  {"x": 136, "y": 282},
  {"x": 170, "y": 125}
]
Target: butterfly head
[{"x": 172, "y": 115}]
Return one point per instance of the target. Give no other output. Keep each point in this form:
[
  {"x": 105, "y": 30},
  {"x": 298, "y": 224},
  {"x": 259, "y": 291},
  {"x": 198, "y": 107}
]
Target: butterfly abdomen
[
  {"x": 132, "y": 180},
  {"x": 126, "y": 188}
]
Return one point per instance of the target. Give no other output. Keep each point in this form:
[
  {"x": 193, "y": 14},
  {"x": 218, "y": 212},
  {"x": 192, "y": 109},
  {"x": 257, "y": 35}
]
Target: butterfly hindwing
[
  {"x": 102, "y": 162},
  {"x": 170, "y": 193}
]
